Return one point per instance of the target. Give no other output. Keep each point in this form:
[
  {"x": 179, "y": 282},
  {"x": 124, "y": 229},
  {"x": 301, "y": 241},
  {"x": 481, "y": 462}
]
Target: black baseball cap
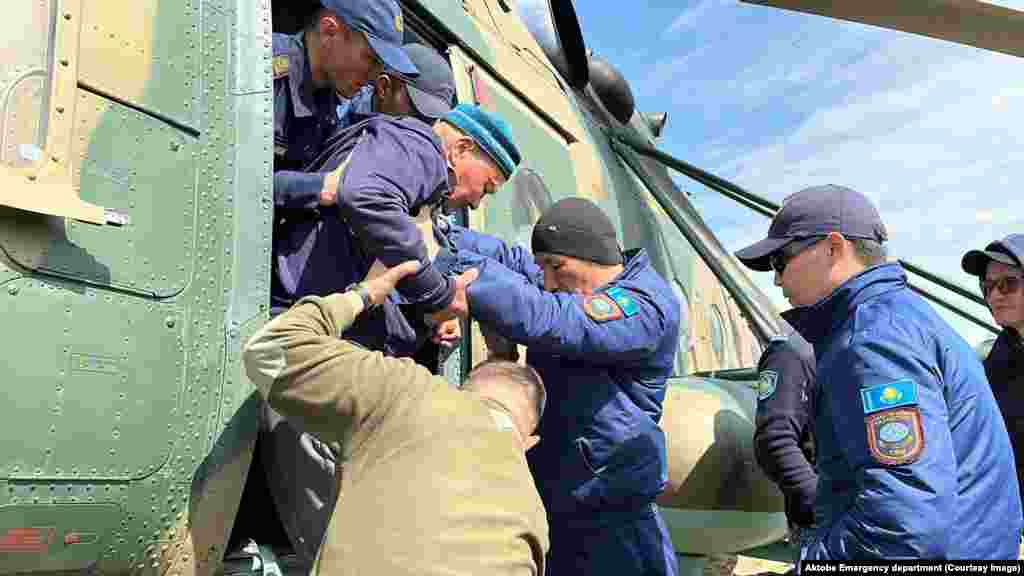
[
  {"x": 816, "y": 211},
  {"x": 1009, "y": 251},
  {"x": 433, "y": 90}
]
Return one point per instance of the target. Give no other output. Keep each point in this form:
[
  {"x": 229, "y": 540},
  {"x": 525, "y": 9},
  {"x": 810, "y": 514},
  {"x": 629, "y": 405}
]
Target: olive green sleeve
[{"x": 329, "y": 387}]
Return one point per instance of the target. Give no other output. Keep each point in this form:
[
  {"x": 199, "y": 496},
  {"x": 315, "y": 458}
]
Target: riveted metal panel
[
  {"x": 53, "y": 538},
  {"x": 250, "y": 47},
  {"x": 157, "y": 57},
  {"x": 147, "y": 169},
  {"x": 97, "y": 377}
]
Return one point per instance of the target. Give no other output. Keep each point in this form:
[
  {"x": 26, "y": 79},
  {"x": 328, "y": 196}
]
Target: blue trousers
[{"x": 625, "y": 546}]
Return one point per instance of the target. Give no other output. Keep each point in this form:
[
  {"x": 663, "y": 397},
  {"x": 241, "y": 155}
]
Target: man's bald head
[{"x": 509, "y": 381}]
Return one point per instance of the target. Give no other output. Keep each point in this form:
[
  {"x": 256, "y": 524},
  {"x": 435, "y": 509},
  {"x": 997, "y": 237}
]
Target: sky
[{"x": 776, "y": 101}]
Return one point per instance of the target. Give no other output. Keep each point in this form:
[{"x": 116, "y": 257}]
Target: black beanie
[{"x": 577, "y": 228}]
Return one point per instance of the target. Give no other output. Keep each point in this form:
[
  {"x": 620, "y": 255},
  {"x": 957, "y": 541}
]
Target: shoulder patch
[
  {"x": 891, "y": 395},
  {"x": 766, "y": 383},
  {"x": 280, "y": 66},
  {"x": 623, "y": 300},
  {"x": 601, "y": 308},
  {"x": 895, "y": 437}
]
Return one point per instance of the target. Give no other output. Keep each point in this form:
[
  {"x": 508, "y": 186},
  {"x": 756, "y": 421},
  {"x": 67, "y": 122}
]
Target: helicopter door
[{"x": 94, "y": 354}]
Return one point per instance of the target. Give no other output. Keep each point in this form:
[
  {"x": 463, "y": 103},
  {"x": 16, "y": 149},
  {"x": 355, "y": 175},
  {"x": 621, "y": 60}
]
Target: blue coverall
[
  {"x": 913, "y": 457},
  {"x": 604, "y": 360}
]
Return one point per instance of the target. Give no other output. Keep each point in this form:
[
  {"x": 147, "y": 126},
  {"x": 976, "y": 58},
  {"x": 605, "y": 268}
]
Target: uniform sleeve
[
  {"x": 331, "y": 388},
  {"x": 782, "y": 417},
  {"x": 386, "y": 178},
  {"x": 559, "y": 323},
  {"x": 516, "y": 258},
  {"x": 297, "y": 190},
  {"x": 889, "y": 419}
]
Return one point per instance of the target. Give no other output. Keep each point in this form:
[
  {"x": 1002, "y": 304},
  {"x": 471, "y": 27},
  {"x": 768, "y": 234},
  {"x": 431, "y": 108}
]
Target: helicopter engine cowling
[{"x": 717, "y": 499}]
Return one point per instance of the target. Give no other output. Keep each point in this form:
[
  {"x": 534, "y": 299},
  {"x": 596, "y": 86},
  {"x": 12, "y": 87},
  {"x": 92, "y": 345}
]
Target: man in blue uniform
[
  {"x": 913, "y": 457},
  {"x": 345, "y": 45},
  {"x": 783, "y": 432},
  {"x": 364, "y": 198},
  {"x": 601, "y": 327},
  {"x": 428, "y": 95}
]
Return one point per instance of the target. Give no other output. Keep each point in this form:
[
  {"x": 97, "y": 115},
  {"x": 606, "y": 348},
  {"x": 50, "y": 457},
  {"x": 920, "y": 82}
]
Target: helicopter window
[
  {"x": 25, "y": 61},
  {"x": 530, "y": 198},
  {"x": 682, "y": 353},
  {"x": 717, "y": 333}
]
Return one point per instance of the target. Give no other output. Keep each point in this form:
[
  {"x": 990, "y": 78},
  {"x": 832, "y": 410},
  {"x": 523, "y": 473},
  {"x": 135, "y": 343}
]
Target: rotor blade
[
  {"x": 969, "y": 22},
  {"x": 768, "y": 208}
]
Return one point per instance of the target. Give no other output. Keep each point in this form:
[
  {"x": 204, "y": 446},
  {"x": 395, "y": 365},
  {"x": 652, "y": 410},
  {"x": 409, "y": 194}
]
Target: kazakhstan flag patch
[{"x": 892, "y": 395}]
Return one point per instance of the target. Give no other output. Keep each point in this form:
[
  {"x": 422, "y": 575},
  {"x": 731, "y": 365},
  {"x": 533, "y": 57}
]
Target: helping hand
[
  {"x": 459, "y": 306},
  {"x": 382, "y": 285},
  {"x": 447, "y": 334}
]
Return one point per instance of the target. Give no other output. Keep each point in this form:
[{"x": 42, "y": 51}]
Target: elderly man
[
  {"x": 1000, "y": 270},
  {"x": 913, "y": 458},
  {"x": 432, "y": 480},
  {"x": 601, "y": 327},
  {"x": 369, "y": 198}
]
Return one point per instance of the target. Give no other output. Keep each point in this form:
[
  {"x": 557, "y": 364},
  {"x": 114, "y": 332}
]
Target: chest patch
[
  {"x": 766, "y": 383},
  {"x": 601, "y": 308},
  {"x": 895, "y": 437},
  {"x": 280, "y": 66},
  {"x": 625, "y": 303},
  {"x": 891, "y": 395}
]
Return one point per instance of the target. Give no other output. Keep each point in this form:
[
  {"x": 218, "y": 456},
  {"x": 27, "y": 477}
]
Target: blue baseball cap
[
  {"x": 1009, "y": 251},
  {"x": 490, "y": 132},
  {"x": 433, "y": 91},
  {"x": 816, "y": 211},
  {"x": 381, "y": 21}
]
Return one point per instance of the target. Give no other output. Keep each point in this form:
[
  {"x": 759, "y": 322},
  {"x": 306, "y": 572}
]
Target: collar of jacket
[
  {"x": 632, "y": 262},
  {"x": 818, "y": 321},
  {"x": 1013, "y": 337},
  {"x": 300, "y": 78}
]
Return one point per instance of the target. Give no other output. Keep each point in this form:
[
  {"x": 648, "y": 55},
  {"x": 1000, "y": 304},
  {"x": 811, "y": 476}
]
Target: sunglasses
[
  {"x": 1007, "y": 285},
  {"x": 781, "y": 257}
]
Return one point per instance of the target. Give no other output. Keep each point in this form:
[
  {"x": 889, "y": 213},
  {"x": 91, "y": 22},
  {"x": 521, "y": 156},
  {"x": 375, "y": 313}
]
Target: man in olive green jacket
[{"x": 431, "y": 480}]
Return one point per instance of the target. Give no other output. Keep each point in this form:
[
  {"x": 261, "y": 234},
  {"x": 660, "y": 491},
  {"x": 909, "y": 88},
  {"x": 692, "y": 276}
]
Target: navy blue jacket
[
  {"x": 604, "y": 361},
  {"x": 783, "y": 434},
  {"x": 1004, "y": 367},
  {"x": 913, "y": 458},
  {"x": 396, "y": 168},
  {"x": 304, "y": 116}
]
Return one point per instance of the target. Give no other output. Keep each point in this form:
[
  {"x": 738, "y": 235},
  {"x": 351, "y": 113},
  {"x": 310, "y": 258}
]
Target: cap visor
[
  {"x": 427, "y": 104},
  {"x": 975, "y": 261},
  {"x": 756, "y": 256},
  {"x": 393, "y": 56}
]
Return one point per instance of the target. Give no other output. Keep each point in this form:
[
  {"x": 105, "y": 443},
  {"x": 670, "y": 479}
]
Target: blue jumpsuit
[
  {"x": 913, "y": 457},
  {"x": 604, "y": 360}
]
